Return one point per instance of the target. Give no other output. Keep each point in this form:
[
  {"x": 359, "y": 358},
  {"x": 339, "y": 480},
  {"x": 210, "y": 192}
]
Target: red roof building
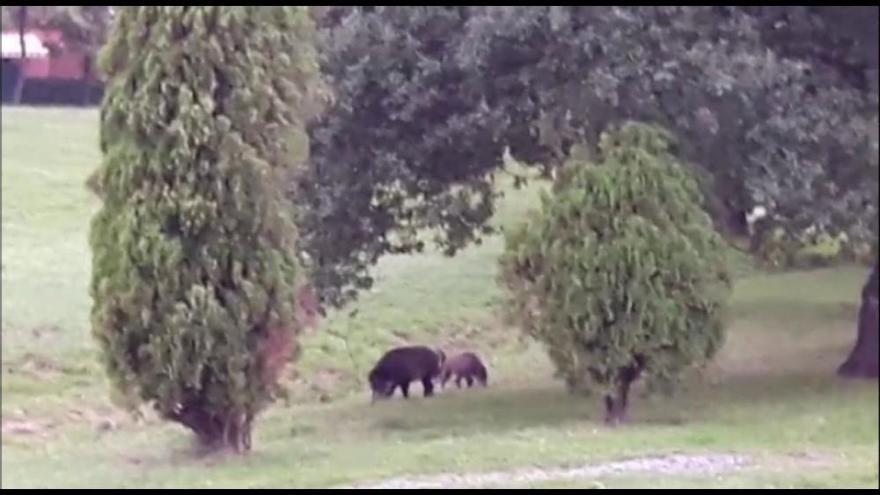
[{"x": 46, "y": 54}]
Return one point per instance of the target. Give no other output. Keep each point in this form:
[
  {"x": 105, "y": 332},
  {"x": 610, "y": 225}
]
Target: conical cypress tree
[
  {"x": 193, "y": 249},
  {"x": 621, "y": 274}
]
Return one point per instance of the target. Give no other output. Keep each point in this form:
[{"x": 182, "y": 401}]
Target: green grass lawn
[{"x": 771, "y": 395}]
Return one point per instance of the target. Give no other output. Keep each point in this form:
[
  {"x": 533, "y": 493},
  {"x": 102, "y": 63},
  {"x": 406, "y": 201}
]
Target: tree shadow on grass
[
  {"x": 479, "y": 411},
  {"x": 802, "y": 376}
]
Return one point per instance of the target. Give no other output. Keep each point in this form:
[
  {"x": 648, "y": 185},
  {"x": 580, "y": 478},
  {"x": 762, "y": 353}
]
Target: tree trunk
[
  {"x": 217, "y": 433},
  {"x": 22, "y": 76},
  {"x": 862, "y": 360},
  {"x": 616, "y": 405},
  {"x": 86, "y": 80}
]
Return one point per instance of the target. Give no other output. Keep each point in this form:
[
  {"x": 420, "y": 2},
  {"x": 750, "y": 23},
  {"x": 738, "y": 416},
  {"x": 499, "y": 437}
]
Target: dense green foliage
[
  {"x": 194, "y": 265},
  {"x": 776, "y": 106},
  {"x": 769, "y": 393},
  {"x": 622, "y": 268}
]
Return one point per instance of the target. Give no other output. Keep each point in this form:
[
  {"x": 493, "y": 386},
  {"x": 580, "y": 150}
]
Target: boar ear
[{"x": 441, "y": 355}]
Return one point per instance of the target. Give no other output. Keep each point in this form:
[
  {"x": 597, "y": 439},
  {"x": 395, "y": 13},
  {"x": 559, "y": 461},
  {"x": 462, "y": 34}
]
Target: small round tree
[
  {"x": 620, "y": 274},
  {"x": 194, "y": 269}
]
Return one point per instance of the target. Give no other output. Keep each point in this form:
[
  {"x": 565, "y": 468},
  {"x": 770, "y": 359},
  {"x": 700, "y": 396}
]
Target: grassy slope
[{"x": 771, "y": 394}]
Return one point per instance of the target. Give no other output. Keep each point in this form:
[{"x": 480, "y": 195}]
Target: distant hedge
[
  {"x": 61, "y": 92},
  {"x": 51, "y": 91}
]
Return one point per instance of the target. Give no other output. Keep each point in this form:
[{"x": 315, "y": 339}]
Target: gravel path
[{"x": 665, "y": 465}]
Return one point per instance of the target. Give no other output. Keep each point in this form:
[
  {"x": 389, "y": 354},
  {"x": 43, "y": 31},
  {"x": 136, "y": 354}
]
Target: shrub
[
  {"x": 621, "y": 273},
  {"x": 194, "y": 269}
]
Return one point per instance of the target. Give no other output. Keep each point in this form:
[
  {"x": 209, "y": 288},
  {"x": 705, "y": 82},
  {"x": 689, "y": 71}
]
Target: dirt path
[{"x": 664, "y": 465}]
